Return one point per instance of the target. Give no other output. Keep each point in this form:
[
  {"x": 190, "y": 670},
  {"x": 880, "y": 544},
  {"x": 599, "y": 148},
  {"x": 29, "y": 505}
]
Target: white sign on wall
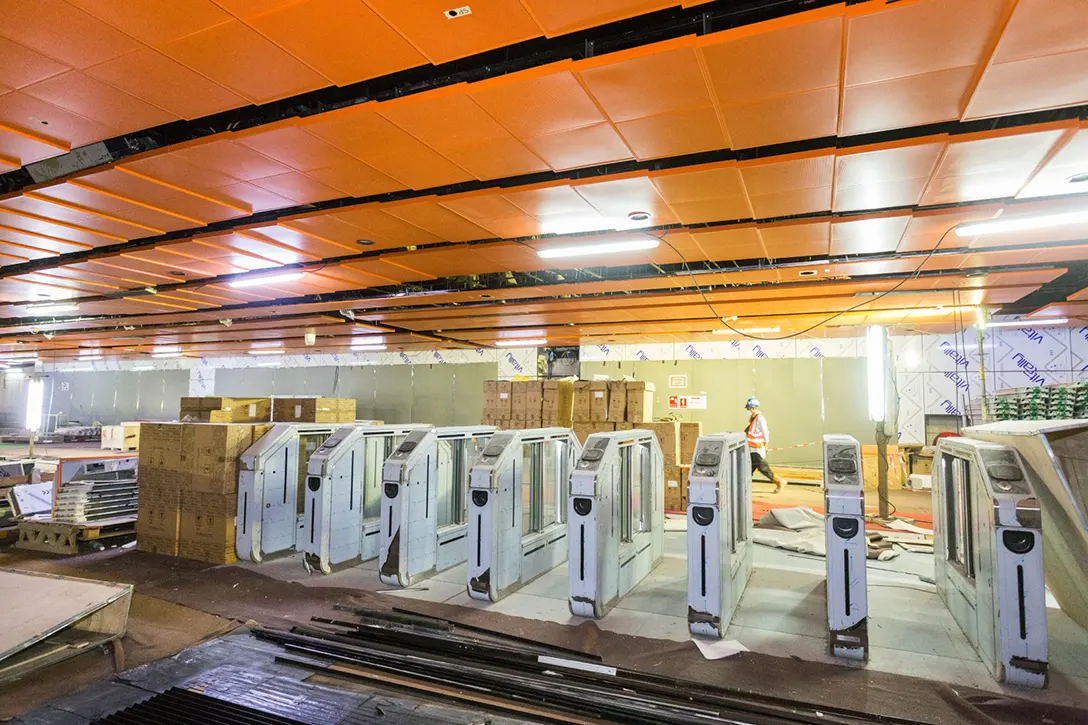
[
  {"x": 687, "y": 402},
  {"x": 678, "y": 381}
]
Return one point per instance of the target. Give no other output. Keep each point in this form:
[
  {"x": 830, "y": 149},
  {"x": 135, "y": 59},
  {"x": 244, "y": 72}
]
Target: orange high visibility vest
[{"x": 756, "y": 436}]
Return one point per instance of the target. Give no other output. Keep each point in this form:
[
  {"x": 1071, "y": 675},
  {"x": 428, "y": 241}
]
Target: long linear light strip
[
  {"x": 266, "y": 279},
  {"x": 586, "y": 250},
  {"x": 1028, "y": 322},
  {"x": 534, "y": 342},
  {"x": 1022, "y": 224}
]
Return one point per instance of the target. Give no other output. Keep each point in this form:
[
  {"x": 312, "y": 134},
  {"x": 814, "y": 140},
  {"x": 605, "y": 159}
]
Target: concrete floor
[{"x": 782, "y": 613}]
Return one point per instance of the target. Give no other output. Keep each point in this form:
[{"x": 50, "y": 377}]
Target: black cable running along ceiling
[{"x": 633, "y": 32}]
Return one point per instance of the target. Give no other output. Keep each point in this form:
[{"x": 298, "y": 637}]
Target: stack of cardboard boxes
[
  {"x": 522, "y": 404},
  {"x": 601, "y": 406},
  {"x": 313, "y": 410},
  {"x": 189, "y": 488},
  {"x": 226, "y": 410}
]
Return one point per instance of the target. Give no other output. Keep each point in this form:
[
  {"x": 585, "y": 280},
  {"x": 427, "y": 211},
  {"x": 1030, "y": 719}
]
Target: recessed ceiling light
[
  {"x": 365, "y": 242},
  {"x": 521, "y": 343},
  {"x": 807, "y": 273},
  {"x": 639, "y": 216},
  {"x": 1078, "y": 178},
  {"x": 266, "y": 279},
  {"x": 485, "y": 297},
  {"x": 177, "y": 273},
  {"x": 584, "y": 250}
]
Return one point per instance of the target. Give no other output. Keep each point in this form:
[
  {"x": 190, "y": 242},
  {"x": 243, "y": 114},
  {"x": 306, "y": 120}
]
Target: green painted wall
[{"x": 802, "y": 398}]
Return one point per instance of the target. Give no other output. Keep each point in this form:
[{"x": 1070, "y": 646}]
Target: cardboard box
[
  {"x": 640, "y": 401},
  {"x": 211, "y": 459},
  {"x": 581, "y": 401},
  {"x": 226, "y": 410},
  {"x": 668, "y": 437},
  {"x": 689, "y": 436},
  {"x": 208, "y": 527},
  {"x": 491, "y": 396},
  {"x": 617, "y": 401},
  {"x": 897, "y": 468},
  {"x": 504, "y": 404},
  {"x": 674, "y": 500},
  {"x": 625, "y": 426},
  {"x": 551, "y": 420},
  {"x": 532, "y": 400},
  {"x": 165, "y": 546},
  {"x": 489, "y": 417},
  {"x": 122, "y": 437},
  {"x": 582, "y": 431},
  {"x": 557, "y": 402},
  {"x": 159, "y": 512},
  {"x": 518, "y": 390},
  {"x": 313, "y": 410},
  {"x": 598, "y": 401}
]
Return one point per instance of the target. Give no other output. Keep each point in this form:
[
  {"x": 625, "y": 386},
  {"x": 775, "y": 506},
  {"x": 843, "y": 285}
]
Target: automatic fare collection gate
[
  {"x": 616, "y": 518},
  {"x": 988, "y": 552},
  {"x": 719, "y": 520},
  {"x": 517, "y": 515}
]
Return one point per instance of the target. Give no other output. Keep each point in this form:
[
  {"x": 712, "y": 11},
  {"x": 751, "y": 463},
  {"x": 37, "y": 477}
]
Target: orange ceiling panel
[
  {"x": 585, "y": 146},
  {"x": 156, "y": 21},
  {"x": 935, "y": 230},
  {"x": 13, "y": 217},
  {"x": 883, "y": 178},
  {"x": 728, "y": 244},
  {"x": 988, "y": 168},
  {"x": 61, "y": 31},
  {"x": 796, "y": 240},
  {"x": 87, "y": 198},
  {"x": 497, "y": 159},
  {"x": 1054, "y": 178},
  {"x": 254, "y": 245},
  {"x": 20, "y": 66},
  {"x": 868, "y": 236},
  {"x": 491, "y": 24},
  {"x": 354, "y": 178},
  {"x": 549, "y": 201},
  {"x": 163, "y": 82},
  {"x": 239, "y": 58},
  {"x": 789, "y": 187},
  {"x": 299, "y": 188},
  {"x": 36, "y": 130},
  {"x": 439, "y": 221},
  {"x": 901, "y": 102},
  {"x": 537, "y": 103},
  {"x": 293, "y": 147},
  {"x": 444, "y": 119},
  {"x": 387, "y": 271},
  {"x": 16, "y": 237},
  {"x": 1039, "y": 61},
  {"x": 491, "y": 210},
  {"x": 201, "y": 209},
  {"x": 385, "y": 147},
  {"x": 674, "y": 134},
  {"x": 375, "y": 225},
  {"x": 648, "y": 84},
  {"x": 325, "y": 35},
  {"x": 232, "y": 159},
  {"x": 444, "y": 262},
  {"x": 294, "y": 243},
  {"x": 557, "y": 17},
  {"x": 813, "y": 114}
]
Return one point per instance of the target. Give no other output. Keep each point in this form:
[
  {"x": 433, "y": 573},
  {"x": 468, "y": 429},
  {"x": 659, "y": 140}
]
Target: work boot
[{"x": 779, "y": 485}]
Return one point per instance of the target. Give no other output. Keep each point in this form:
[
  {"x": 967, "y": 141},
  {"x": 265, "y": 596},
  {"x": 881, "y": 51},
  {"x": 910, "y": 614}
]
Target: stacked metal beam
[
  {"x": 528, "y": 679},
  {"x": 97, "y": 496}
]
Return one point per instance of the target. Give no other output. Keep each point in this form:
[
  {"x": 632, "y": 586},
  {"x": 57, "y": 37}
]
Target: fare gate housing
[
  {"x": 616, "y": 518},
  {"x": 517, "y": 511},
  {"x": 988, "y": 552},
  {"x": 342, "y": 495},
  {"x": 424, "y": 508},
  {"x": 719, "y": 521},
  {"x": 847, "y": 548}
]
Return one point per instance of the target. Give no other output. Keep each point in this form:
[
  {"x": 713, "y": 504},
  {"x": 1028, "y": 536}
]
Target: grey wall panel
[{"x": 802, "y": 398}]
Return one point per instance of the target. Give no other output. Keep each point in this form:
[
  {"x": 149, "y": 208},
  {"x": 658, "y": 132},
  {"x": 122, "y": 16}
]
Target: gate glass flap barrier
[
  {"x": 271, "y": 476},
  {"x": 343, "y": 495},
  {"x": 516, "y": 525},
  {"x": 719, "y": 520},
  {"x": 425, "y": 503},
  {"x": 847, "y": 548},
  {"x": 616, "y": 518},
  {"x": 988, "y": 554}
]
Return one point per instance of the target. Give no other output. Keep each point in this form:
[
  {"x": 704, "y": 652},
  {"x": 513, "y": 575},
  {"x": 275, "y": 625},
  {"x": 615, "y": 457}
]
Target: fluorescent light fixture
[
  {"x": 166, "y": 354},
  {"x": 35, "y": 402},
  {"x": 1029, "y": 322},
  {"x": 874, "y": 364},
  {"x": 16, "y": 373},
  {"x": 749, "y": 331},
  {"x": 9, "y": 356},
  {"x": 266, "y": 279},
  {"x": 520, "y": 343},
  {"x": 143, "y": 368},
  {"x": 81, "y": 370},
  {"x": 269, "y": 365},
  {"x": 585, "y": 250},
  {"x": 49, "y": 307},
  {"x": 368, "y": 348},
  {"x": 267, "y": 352},
  {"x": 1020, "y": 224}
]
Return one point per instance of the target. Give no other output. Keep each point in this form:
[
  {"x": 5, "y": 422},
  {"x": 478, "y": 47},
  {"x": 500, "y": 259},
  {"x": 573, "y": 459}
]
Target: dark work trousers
[{"x": 759, "y": 463}]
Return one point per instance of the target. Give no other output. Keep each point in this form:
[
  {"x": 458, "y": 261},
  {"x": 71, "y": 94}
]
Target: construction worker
[{"x": 758, "y": 437}]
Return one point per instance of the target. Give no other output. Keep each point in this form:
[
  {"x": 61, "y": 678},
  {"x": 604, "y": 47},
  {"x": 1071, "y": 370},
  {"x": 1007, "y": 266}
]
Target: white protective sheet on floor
[{"x": 797, "y": 529}]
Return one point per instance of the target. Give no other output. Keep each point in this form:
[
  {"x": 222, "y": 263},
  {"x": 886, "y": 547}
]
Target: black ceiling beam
[{"x": 633, "y": 32}]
